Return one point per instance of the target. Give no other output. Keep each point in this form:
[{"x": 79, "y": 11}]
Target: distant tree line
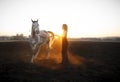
[
  {"x": 22, "y": 37},
  {"x": 106, "y": 39},
  {"x": 16, "y": 37}
]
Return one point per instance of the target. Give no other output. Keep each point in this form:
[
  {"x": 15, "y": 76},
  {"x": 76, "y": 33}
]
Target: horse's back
[{"x": 43, "y": 33}]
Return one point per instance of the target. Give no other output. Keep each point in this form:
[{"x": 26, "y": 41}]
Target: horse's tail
[{"x": 52, "y": 36}]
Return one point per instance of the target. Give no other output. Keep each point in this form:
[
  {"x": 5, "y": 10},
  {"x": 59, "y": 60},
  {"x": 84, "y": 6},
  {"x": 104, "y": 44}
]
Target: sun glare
[{"x": 58, "y": 33}]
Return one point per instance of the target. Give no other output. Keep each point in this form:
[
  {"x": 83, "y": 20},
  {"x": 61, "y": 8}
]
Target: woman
[{"x": 64, "y": 45}]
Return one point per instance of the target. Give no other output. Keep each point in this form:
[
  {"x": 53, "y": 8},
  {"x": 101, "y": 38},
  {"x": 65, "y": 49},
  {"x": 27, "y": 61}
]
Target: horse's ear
[
  {"x": 37, "y": 20},
  {"x": 32, "y": 20}
]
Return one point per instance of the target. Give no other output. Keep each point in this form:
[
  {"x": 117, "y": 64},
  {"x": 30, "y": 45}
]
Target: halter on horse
[{"x": 39, "y": 37}]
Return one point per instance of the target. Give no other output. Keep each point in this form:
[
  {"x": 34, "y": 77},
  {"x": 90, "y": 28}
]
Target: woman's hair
[{"x": 65, "y": 27}]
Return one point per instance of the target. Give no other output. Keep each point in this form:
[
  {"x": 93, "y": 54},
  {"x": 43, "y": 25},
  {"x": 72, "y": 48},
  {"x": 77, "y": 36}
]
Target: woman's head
[{"x": 65, "y": 27}]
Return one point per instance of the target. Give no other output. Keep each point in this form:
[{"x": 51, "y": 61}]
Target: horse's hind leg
[{"x": 48, "y": 51}]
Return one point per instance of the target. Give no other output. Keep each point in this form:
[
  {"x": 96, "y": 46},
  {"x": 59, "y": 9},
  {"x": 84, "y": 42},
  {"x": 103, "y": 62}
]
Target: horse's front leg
[
  {"x": 33, "y": 45},
  {"x": 35, "y": 53}
]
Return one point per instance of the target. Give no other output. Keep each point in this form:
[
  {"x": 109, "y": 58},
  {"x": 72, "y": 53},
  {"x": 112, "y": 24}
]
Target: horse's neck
[
  {"x": 32, "y": 35},
  {"x": 35, "y": 29}
]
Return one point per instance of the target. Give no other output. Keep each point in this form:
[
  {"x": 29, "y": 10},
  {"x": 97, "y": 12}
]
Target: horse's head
[
  {"x": 35, "y": 28},
  {"x": 35, "y": 24}
]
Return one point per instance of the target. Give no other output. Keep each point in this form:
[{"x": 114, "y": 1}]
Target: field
[{"x": 89, "y": 62}]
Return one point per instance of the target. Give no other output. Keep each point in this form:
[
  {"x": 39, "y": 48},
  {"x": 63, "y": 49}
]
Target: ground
[{"x": 89, "y": 62}]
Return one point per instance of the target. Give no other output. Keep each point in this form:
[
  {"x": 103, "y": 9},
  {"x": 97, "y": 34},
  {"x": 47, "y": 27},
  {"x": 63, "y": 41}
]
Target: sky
[{"x": 84, "y": 18}]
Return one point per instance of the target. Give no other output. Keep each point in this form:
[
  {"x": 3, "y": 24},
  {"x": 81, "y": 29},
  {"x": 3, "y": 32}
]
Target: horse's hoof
[{"x": 31, "y": 61}]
